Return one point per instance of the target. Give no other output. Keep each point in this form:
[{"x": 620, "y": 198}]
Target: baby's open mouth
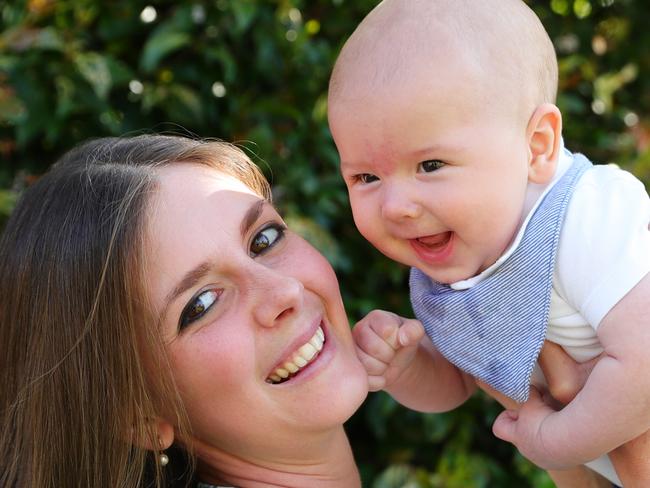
[
  {"x": 435, "y": 241},
  {"x": 304, "y": 355}
]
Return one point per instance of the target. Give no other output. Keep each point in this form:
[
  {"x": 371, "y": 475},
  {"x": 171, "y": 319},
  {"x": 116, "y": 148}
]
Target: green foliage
[
  {"x": 256, "y": 72},
  {"x": 7, "y": 201}
]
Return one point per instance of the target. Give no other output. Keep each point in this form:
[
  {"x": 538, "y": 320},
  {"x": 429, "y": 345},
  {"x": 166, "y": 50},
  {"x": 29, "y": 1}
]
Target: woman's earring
[{"x": 163, "y": 459}]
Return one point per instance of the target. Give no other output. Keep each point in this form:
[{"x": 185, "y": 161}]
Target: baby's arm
[
  {"x": 612, "y": 408},
  {"x": 402, "y": 361}
]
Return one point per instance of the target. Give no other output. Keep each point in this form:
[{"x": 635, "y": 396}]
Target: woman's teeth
[{"x": 303, "y": 356}]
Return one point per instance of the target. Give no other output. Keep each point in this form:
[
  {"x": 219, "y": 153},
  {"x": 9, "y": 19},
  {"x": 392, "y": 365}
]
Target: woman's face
[{"x": 243, "y": 302}]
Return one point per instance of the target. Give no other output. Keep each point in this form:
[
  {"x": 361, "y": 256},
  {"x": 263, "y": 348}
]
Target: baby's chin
[{"x": 451, "y": 275}]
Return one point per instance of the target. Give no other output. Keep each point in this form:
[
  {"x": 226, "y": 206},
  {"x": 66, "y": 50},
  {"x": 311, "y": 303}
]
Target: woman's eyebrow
[
  {"x": 190, "y": 279},
  {"x": 252, "y": 215}
]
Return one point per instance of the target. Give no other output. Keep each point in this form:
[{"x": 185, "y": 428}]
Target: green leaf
[
  {"x": 25, "y": 38},
  {"x": 95, "y": 70},
  {"x": 184, "y": 104},
  {"x": 244, "y": 11},
  {"x": 8, "y": 200},
  {"x": 11, "y": 107},
  {"x": 49, "y": 39},
  {"x": 395, "y": 476},
  {"x": 160, "y": 45}
]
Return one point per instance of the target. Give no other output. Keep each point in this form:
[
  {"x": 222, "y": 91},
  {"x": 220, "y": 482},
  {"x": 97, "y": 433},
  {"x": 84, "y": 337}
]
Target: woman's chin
[{"x": 342, "y": 400}]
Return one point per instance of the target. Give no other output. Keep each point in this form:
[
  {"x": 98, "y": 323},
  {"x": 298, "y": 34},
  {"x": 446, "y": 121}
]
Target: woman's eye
[
  {"x": 366, "y": 178},
  {"x": 199, "y": 306},
  {"x": 266, "y": 239},
  {"x": 430, "y": 165}
]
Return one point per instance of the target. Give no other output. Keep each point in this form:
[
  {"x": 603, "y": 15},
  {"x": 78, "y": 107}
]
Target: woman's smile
[{"x": 299, "y": 358}]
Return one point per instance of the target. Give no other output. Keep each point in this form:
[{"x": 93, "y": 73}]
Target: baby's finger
[
  {"x": 376, "y": 383},
  {"x": 386, "y": 325},
  {"x": 505, "y": 425},
  {"x": 372, "y": 344},
  {"x": 376, "y": 330},
  {"x": 410, "y": 332},
  {"x": 372, "y": 365}
]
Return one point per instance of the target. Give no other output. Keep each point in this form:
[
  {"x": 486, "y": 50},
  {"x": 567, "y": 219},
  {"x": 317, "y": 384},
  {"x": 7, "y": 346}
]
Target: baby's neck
[{"x": 330, "y": 466}]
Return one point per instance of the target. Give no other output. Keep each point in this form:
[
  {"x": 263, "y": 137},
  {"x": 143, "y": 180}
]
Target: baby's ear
[{"x": 543, "y": 133}]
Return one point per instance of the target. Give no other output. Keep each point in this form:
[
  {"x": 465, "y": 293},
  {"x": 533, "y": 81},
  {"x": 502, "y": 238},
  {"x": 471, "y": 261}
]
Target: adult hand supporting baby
[
  {"x": 563, "y": 478},
  {"x": 521, "y": 426},
  {"x": 565, "y": 379}
]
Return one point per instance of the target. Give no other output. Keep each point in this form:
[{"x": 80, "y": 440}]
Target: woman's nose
[
  {"x": 400, "y": 202},
  {"x": 276, "y": 296}
]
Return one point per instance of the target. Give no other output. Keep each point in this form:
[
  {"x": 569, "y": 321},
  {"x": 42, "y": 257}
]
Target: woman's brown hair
[{"x": 78, "y": 341}]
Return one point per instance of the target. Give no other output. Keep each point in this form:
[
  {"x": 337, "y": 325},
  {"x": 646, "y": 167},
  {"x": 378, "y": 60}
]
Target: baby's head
[
  {"x": 496, "y": 54},
  {"x": 442, "y": 112}
]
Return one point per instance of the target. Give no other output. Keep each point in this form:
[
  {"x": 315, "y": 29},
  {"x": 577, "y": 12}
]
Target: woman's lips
[
  {"x": 434, "y": 249},
  {"x": 299, "y": 359}
]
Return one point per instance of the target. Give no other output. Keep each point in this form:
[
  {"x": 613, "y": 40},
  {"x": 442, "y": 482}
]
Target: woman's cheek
[{"x": 211, "y": 360}]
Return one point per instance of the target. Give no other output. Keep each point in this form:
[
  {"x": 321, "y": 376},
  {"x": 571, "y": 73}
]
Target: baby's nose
[{"x": 399, "y": 204}]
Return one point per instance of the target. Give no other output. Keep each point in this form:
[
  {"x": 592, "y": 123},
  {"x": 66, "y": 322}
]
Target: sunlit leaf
[
  {"x": 94, "y": 68},
  {"x": 244, "y": 11},
  {"x": 160, "y": 45}
]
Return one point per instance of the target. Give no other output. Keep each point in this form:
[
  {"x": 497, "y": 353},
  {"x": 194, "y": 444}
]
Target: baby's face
[{"x": 436, "y": 179}]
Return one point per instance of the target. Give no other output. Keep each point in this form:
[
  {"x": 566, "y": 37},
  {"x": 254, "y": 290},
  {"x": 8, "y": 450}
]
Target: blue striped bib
[{"x": 495, "y": 329}]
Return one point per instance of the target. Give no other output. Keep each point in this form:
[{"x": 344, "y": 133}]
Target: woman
[
  {"x": 150, "y": 295},
  {"x": 167, "y": 251}
]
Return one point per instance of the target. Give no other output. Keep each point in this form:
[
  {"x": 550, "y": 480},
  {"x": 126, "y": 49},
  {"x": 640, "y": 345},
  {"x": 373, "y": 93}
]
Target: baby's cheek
[{"x": 368, "y": 231}]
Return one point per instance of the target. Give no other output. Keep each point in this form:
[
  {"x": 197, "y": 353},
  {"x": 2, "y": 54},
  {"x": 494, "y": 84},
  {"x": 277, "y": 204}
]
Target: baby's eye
[
  {"x": 366, "y": 178},
  {"x": 199, "y": 306},
  {"x": 266, "y": 239},
  {"x": 430, "y": 165}
]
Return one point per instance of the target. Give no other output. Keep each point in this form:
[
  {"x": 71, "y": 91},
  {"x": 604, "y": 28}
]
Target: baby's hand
[
  {"x": 522, "y": 428},
  {"x": 386, "y": 345}
]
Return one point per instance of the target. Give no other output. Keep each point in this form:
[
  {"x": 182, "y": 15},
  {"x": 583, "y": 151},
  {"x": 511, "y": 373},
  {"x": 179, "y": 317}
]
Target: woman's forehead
[
  {"x": 197, "y": 202},
  {"x": 192, "y": 178}
]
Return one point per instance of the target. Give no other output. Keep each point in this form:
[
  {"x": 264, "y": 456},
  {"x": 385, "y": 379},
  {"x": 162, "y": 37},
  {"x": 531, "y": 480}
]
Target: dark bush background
[{"x": 255, "y": 72}]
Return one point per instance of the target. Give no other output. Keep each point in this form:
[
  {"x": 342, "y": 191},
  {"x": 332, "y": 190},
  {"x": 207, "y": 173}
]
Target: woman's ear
[
  {"x": 163, "y": 435},
  {"x": 543, "y": 133}
]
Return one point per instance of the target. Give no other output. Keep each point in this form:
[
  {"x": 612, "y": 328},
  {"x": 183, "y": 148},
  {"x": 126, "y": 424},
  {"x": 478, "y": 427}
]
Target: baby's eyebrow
[
  {"x": 421, "y": 153},
  {"x": 351, "y": 165},
  {"x": 434, "y": 149}
]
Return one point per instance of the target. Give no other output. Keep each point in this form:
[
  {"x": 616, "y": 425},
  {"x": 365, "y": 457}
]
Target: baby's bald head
[{"x": 498, "y": 51}]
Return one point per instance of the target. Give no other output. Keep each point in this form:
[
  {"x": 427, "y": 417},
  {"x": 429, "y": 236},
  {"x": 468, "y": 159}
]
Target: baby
[{"x": 451, "y": 148}]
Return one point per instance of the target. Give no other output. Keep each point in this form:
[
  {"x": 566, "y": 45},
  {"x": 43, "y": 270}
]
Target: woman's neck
[{"x": 330, "y": 464}]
